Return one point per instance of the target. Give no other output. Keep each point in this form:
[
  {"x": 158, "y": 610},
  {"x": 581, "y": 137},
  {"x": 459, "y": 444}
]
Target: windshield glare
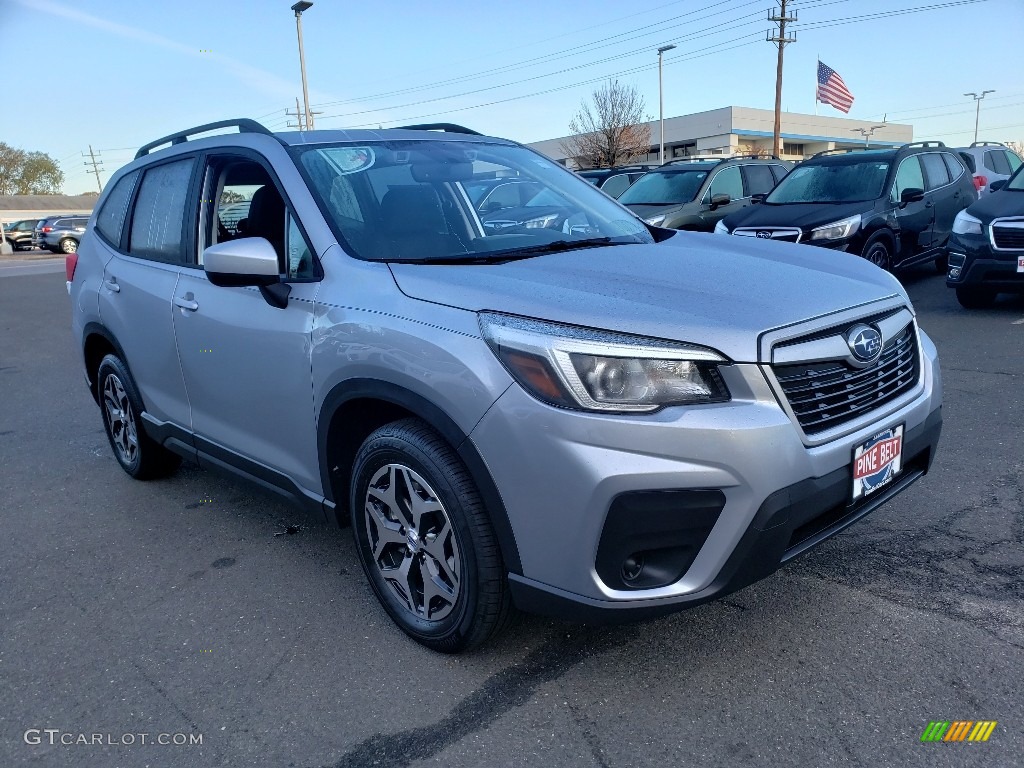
[
  {"x": 664, "y": 187},
  {"x": 1017, "y": 180},
  {"x": 433, "y": 200},
  {"x": 832, "y": 183}
]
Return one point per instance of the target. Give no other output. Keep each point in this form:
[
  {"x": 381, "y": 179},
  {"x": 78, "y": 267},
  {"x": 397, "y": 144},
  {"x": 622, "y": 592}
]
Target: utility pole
[
  {"x": 977, "y": 111},
  {"x": 299, "y": 7},
  {"x": 661, "y": 105},
  {"x": 781, "y": 39},
  {"x": 299, "y": 116},
  {"x": 95, "y": 167}
]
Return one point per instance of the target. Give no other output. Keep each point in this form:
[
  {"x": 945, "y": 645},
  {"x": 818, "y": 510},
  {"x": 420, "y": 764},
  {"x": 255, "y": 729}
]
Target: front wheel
[
  {"x": 973, "y": 297},
  {"x": 138, "y": 454},
  {"x": 424, "y": 539},
  {"x": 877, "y": 251}
]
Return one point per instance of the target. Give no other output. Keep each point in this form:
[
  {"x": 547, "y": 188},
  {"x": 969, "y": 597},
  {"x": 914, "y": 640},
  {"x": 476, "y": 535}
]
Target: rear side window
[
  {"x": 780, "y": 172},
  {"x": 935, "y": 170},
  {"x": 110, "y": 219},
  {"x": 759, "y": 179},
  {"x": 60, "y": 224},
  {"x": 954, "y": 166},
  {"x": 160, "y": 212},
  {"x": 995, "y": 161}
]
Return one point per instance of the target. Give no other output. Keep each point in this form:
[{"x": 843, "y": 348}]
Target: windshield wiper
[{"x": 513, "y": 254}]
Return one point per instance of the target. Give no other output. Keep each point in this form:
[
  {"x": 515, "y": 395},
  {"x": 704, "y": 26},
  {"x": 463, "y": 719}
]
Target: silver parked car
[
  {"x": 992, "y": 162},
  {"x": 577, "y": 414}
]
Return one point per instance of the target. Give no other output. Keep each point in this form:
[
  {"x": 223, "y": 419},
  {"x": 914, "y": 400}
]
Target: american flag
[{"x": 832, "y": 90}]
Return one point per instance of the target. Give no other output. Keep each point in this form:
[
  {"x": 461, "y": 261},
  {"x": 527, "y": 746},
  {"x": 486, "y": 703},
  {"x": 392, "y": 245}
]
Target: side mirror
[
  {"x": 247, "y": 261},
  {"x": 911, "y": 195},
  {"x": 758, "y": 198},
  {"x": 719, "y": 200},
  {"x": 996, "y": 185}
]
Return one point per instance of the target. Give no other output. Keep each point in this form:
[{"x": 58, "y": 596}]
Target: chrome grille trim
[
  {"x": 1007, "y": 234},
  {"x": 787, "y": 234},
  {"x": 822, "y": 396}
]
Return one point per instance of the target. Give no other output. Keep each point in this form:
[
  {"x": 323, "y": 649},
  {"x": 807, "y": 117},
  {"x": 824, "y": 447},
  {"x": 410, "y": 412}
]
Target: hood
[
  {"x": 804, "y": 215},
  {"x": 1003, "y": 202},
  {"x": 717, "y": 291},
  {"x": 650, "y": 211}
]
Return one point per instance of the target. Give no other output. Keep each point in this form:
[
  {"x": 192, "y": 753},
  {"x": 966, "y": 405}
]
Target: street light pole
[
  {"x": 299, "y": 7},
  {"x": 661, "y": 104},
  {"x": 977, "y": 110},
  {"x": 867, "y": 133}
]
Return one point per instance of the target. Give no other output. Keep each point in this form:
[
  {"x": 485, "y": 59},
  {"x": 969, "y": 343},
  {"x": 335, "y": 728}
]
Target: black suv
[
  {"x": 615, "y": 181},
  {"x": 19, "y": 233},
  {"x": 894, "y": 207},
  {"x": 697, "y": 193},
  {"x": 986, "y": 249}
]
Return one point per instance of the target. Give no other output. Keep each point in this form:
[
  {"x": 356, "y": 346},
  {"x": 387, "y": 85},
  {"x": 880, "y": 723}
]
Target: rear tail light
[
  {"x": 46, "y": 229},
  {"x": 980, "y": 182},
  {"x": 70, "y": 262}
]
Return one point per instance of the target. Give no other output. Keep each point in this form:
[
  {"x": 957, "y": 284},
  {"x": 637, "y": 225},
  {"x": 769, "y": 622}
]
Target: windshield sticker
[{"x": 350, "y": 159}]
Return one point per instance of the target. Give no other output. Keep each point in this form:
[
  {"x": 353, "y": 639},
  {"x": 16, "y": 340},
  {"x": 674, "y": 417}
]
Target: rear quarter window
[
  {"x": 954, "y": 166},
  {"x": 110, "y": 218}
]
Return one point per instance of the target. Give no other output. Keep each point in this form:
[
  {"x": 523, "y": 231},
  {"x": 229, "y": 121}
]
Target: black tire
[
  {"x": 481, "y": 605},
  {"x": 878, "y": 250},
  {"x": 118, "y": 394},
  {"x": 975, "y": 297}
]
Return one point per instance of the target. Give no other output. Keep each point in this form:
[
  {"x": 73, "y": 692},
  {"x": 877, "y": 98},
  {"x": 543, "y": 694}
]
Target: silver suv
[
  {"x": 992, "y": 162},
  {"x": 578, "y": 414}
]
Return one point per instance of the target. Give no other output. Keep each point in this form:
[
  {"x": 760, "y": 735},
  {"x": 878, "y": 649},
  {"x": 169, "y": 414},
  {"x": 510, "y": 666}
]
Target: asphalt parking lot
[{"x": 174, "y": 607}]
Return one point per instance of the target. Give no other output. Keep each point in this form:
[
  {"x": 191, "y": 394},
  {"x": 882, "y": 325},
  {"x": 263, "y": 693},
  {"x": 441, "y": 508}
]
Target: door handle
[
  {"x": 111, "y": 285},
  {"x": 185, "y": 303}
]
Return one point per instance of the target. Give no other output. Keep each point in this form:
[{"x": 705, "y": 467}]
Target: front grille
[
  {"x": 827, "y": 394},
  {"x": 1008, "y": 235},
  {"x": 785, "y": 234}
]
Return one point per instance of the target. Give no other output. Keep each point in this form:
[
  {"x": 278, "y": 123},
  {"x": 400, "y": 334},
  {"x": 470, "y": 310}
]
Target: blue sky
[{"x": 124, "y": 73}]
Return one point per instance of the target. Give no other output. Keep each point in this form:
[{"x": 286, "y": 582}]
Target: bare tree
[{"x": 611, "y": 131}]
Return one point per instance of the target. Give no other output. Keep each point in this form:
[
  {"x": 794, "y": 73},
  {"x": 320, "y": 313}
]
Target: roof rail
[
  {"x": 244, "y": 125},
  {"x": 846, "y": 150},
  {"x": 446, "y": 127},
  {"x": 923, "y": 144},
  {"x": 987, "y": 144},
  {"x": 719, "y": 158}
]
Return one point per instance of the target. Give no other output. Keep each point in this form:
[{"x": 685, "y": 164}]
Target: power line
[{"x": 95, "y": 167}]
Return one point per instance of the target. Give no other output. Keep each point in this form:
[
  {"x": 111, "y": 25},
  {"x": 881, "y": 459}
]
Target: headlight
[
  {"x": 720, "y": 228},
  {"x": 592, "y": 370},
  {"x": 656, "y": 221},
  {"x": 965, "y": 224},
  {"x": 837, "y": 230},
  {"x": 541, "y": 221}
]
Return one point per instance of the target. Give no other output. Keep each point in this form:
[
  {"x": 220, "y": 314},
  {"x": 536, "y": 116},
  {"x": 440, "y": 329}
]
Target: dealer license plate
[{"x": 877, "y": 462}]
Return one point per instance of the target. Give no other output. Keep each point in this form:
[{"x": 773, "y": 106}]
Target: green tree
[{"x": 28, "y": 173}]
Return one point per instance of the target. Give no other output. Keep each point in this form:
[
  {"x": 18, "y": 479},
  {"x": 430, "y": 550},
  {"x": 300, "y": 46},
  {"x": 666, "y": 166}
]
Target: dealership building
[{"x": 742, "y": 130}]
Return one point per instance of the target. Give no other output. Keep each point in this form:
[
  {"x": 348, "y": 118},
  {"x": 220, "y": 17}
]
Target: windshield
[
  {"x": 664, "y": 188},
  {"x": 832, "y": 183},
  {"x": 458, "y": 201},
  {"x": 1016, "y": 181}
]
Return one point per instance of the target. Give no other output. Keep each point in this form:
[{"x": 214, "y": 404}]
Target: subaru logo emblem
[
  {"x": 865, "y": 343},
  {"x": 763, "y": 233}
]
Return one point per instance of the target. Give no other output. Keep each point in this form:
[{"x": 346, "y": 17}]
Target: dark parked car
[
  {"x": 59, "y": 234},
  {"x": 19, "y": 233},
  {"x": 615, "y": 181},
  {"x": 894, "y": 207},
  {"x": 696, "y": 193},
  {"x": 986, "y": 249}
]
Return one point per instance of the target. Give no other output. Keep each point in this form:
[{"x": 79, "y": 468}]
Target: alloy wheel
[
  {"x": 120, "y": 419},
  {"x": 878, "y": 255},
  {"x": 412, "y": 542}
]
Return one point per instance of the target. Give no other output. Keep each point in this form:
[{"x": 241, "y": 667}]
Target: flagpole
[{"x": 818, "y": 55}]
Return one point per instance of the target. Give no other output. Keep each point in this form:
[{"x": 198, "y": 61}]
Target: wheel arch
[
  {"x": 354, "y": 408},
  {"x": 98, "y": 342}
]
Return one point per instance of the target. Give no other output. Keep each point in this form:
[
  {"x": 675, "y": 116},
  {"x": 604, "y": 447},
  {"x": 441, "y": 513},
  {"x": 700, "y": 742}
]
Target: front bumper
[
  {"x": 973, "y": 262},
  {"x": 559, "y": 473}
]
